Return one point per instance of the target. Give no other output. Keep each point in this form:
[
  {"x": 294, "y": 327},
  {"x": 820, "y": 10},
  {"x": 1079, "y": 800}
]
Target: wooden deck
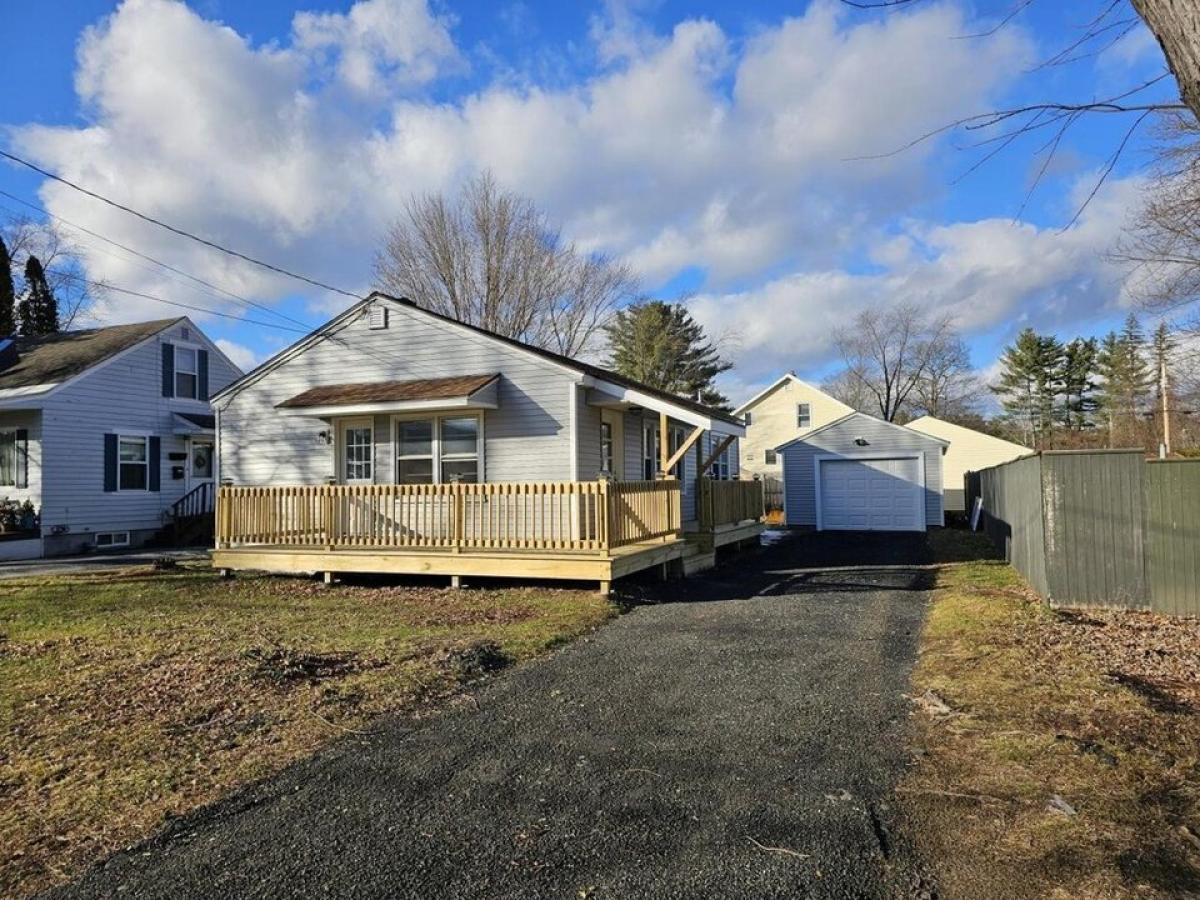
[{"x": 579, "y": 531}]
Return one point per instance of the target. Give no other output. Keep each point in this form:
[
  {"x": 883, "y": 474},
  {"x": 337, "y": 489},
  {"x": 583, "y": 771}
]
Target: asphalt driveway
[{"x": 740, "y": 740}]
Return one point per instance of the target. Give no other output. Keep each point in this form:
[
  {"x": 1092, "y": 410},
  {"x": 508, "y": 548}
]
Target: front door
[{"x": 200, "y": 462}]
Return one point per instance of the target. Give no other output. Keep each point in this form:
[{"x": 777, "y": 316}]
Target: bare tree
[
  {"x": 490, "y": 258},
  {"x": 61, "y": 259},
  {"x": 949, "y": 388},
  {"x": 887, "y": 352},
  {"x": 844, "y": 386}
]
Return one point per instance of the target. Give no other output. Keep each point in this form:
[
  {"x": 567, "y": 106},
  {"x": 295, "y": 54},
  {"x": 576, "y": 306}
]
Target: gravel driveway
[{"x": 739, "y": 741}]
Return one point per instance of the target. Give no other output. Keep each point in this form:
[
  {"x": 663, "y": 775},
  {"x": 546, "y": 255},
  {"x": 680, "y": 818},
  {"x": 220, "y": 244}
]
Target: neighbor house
[
  {"x": 394, "y": 439},
  {"x": 969, "y": 451},
  {"x": 788, "y": 408},
  {"x": 860, "y": 473},
  {"x": 103, "y": 432}
]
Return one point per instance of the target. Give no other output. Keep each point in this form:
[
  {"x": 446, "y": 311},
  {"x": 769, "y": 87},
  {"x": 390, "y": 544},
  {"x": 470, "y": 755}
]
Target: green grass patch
[{"x": 129, "y": 696}]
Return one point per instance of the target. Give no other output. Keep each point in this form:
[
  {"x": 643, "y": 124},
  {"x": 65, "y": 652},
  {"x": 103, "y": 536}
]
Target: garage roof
[{"x": 800, "y": 439}]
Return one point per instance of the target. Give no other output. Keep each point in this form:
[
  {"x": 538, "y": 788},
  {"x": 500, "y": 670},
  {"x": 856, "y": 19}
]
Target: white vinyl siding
[
  {"x": 527, "y": 438},
  {"x": 124, "y": 396}
]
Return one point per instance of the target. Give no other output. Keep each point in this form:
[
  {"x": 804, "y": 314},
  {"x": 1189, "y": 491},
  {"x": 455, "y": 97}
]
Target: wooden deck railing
[
  {"x": 577, "y": 516},
  {"x": 728, "y": 502}
]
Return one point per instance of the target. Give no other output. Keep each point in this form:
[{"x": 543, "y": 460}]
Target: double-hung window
[
  {"x": 606, "y": 447},
  {"x": 720, "y": 466},
  {"x": 133, "y": 472},
  {"x": 803, "y": 415},
  {"x": 649, "y": 451},
  {"x": 438, "y": 449},
  {"x": 769, "y": 457},
  {"x": 187, "y": 372}
]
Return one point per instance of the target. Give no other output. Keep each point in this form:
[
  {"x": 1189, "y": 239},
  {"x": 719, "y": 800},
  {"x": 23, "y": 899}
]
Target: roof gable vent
[{"x": 379, "y": 317}]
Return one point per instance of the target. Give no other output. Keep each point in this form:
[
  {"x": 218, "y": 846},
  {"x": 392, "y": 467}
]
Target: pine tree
[
  {"x": 8, "y": 297},
  {"x": 661, "y": 345},
  {"x": 1030, "y": 383},
  {"x": 38, "y": 311},
  {"x": 1125, "y": 394},
  {"x": 1078, "y": 383}
]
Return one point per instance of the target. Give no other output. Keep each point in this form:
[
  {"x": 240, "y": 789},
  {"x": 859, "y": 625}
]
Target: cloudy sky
[{"x": 711, "y": 145}]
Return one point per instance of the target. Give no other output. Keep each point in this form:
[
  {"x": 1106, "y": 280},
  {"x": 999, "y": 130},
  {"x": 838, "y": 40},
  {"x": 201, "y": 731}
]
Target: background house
[
  {"x": 969, "y": 451},
  {"x": 786, "y": 409},
  {"x": 861, "y": 473},
  {"x": 103, "y": 430}
]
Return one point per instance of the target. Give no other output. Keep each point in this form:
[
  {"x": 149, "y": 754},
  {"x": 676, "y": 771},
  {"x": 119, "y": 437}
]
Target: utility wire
[
  {"x": 174, "y": 230},
  {"x": 157, "y": 262},
  {"x": 103, "y": 286}
]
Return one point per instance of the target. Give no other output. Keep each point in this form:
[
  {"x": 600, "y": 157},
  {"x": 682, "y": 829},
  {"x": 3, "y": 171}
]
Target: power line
[
  {"x": 212, "y": 312},
  {"x": 173, "y": 229},
  {"x": 157, "y": 262}
]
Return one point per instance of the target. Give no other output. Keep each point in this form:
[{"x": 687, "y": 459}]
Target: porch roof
[
  {"x": 395, "y": 396},
  {"x": 195, "y": 423}
]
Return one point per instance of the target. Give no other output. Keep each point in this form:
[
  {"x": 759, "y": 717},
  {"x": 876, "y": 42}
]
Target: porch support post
[
  {"x": 684, "y": 448},
  {"x": 663, "y": 468},
  {"x": 717, "y": 451}
]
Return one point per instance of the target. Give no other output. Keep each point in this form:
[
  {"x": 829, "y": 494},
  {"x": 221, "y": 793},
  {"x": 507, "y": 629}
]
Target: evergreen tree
[
  {"x": 38, "y": 310},
  {"x": 1030, "y": 383},
  {"x": 661, "y": 345},
  {"x": 1125, "y": 394},
  {"x": 8, "y": 296},
  {"x": 1078, "y": 383}
]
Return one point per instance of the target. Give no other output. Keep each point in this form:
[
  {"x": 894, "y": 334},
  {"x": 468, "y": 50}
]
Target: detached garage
[{"x": 863, "y": 474}]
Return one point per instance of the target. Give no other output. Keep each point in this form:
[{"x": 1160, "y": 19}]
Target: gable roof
[
  {"x": 566, "y": 362},
  {"x": 783, "y": 379},
  {"x": 940, "y": 428},
  {"x": 51, "y": 359},
  {"x": 800, "y": 439},
  {"x": 389, "y": 391}
]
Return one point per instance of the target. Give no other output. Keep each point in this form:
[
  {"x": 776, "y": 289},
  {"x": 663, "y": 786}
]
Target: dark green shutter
[
  {"x": 202, "y": 375},
  {"x": 155, "y": 462},
  {"x": 22, "y": 478},
  {"x": 168, "y": 370},
  {"x": 110, "y": 463}
]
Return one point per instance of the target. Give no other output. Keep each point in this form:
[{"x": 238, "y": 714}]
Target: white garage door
[{"x": 871, "y": 495}]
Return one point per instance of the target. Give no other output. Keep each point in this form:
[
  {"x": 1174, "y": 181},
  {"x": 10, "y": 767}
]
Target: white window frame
[
  {"x": 720, "y": 466},
  {"x": 343, "y": 426},
  {"x": 436, "y": 443},
  {"x": 608, "y": 442},
  {"x": 145, "y": 439},
  {"x": 11, "y": 434},
  {"x": 650, "y": 438},
  {"x": 804, "y": 415},
  {"x": 177, "y": 371},
  {"x": 112, "y": 538}
]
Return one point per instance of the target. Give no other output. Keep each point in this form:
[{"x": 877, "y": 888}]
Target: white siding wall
[
  {"x": 31, "y": 421},
  {"x": 526, "y": 439},
  {"x": 800, "y": 478},
  {"x": 123, "y": 395}
]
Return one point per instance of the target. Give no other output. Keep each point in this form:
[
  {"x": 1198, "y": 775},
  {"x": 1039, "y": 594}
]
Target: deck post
[
  {"x": 329, "y": 577},
  {"x": 605, "y": 588},
  {"x": 456, "y": 582}
]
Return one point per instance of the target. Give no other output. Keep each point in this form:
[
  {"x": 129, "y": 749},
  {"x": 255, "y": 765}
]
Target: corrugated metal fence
[{"x": 1098, "y": 528}]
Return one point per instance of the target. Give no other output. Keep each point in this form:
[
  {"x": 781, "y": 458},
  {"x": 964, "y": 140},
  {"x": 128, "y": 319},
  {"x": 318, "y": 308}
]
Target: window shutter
[
  {"x": 22, "y": 479},
  {"x": 110, "y": 463},
  {"x": 202, "y": 374},
  {"x": 168, "y": 370},
  {"x": 154, "y": 462}
]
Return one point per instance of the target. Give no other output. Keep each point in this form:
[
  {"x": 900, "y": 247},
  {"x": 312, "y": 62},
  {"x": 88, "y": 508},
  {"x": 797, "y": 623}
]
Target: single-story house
[
  {"x": 787, "y": 408},
  {"x": 970, "y": 451},
  {"x": 861, "y": 473},
  {"x": 103, "y": 432},
  {"x": 448, "y": 449}
]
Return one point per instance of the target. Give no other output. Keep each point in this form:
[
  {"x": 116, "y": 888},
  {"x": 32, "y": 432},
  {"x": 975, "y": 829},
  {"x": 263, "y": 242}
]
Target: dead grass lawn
[
  {"x": 1069, "y": 762},
  {"x": 130, "y": 696}
]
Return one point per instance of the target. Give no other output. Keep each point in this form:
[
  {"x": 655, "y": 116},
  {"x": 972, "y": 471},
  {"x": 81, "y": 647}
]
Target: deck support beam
[
  {"x": 329, "y": 577},
  {"x": 683, "y": 449},
  {"x": 716, "y": 453},
  {"x": 456, "y": 582},
  {"x": 605, "y": 588}
]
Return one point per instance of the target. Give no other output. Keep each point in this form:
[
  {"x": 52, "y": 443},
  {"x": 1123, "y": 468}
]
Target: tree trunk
[{"x": 1176, "y": 24}]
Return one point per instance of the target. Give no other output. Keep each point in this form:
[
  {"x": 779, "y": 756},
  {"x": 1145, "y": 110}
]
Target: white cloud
[
  {"x": 989, "y": 274},
  {"x": 241, "y": 356},
  {"x": 691, "y": 149}
]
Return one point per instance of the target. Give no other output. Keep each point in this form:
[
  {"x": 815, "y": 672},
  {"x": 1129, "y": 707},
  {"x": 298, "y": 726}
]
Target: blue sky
[{"x": 707, "y": 144}]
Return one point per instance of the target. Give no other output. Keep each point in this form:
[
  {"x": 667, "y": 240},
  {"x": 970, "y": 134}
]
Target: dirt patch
[{"x": 1066, "y": 761}]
